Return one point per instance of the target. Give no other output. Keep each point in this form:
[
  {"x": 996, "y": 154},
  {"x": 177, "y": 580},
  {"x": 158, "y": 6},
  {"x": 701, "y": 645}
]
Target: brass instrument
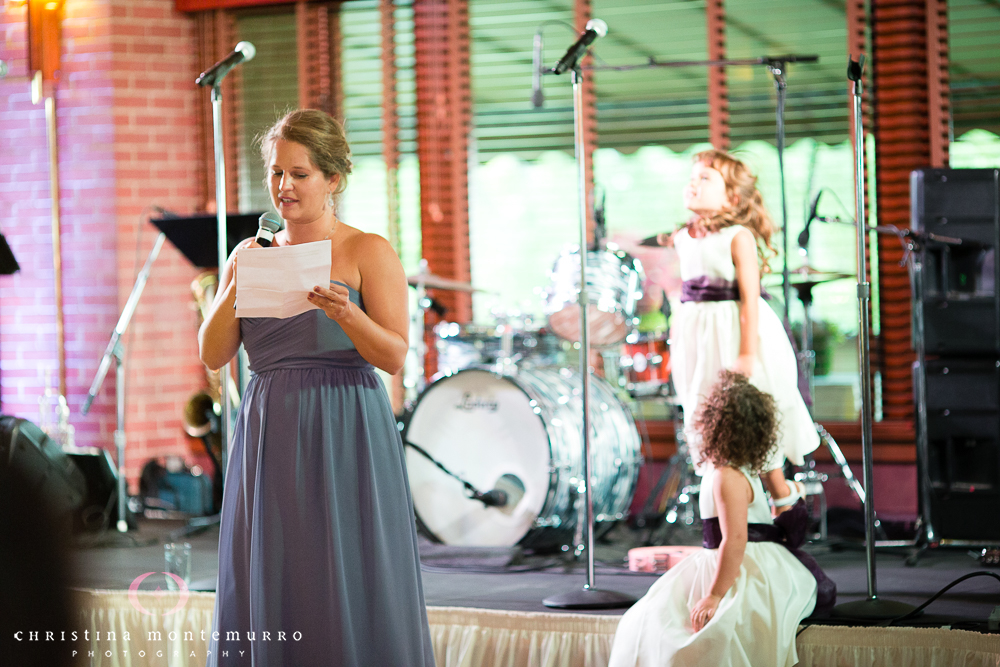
[{"x": 203, "y": 404}]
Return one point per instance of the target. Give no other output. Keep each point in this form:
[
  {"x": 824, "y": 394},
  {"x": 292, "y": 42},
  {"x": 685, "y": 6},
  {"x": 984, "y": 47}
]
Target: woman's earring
[{"x": 329, "y": 200}]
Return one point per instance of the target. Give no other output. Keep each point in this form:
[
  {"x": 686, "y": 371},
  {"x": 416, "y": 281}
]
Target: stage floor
[{"x": 483, "y": 579}]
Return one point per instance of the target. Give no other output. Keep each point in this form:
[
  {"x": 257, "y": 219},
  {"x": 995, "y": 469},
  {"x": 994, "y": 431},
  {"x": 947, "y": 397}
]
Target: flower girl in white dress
[
  {"x": 722, "y": 321},
  {"x": 739, "y": 601}
]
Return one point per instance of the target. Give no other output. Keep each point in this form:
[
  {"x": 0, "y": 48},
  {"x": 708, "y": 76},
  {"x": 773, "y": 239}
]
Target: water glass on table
[{"x": 177, "y": 556}]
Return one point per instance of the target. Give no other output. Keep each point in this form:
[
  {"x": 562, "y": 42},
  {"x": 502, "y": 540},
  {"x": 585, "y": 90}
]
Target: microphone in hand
[{"x": 267, "y": 229}]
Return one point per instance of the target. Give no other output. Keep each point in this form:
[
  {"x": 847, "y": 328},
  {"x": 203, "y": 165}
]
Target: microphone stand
[
  {"x": 199, "y": 524},
  {"x": 777, "y": 67},
  {"x": 871, "y": 608},
  {"x": 115, "y": 352},
  {"x": 589, "y": 597}
]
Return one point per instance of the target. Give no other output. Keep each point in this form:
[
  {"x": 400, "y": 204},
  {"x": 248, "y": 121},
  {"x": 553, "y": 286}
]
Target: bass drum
[{"x": 520, "y": 434}]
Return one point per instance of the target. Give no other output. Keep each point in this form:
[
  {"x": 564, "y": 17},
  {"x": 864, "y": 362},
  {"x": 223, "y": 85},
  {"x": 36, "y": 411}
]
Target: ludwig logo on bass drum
[{"x": 472, "y": 402}]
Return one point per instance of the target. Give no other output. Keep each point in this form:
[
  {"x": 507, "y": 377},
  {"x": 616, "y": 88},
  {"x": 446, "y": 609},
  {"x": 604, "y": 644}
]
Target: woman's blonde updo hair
[
  {"x": 748, "y": 209},
  {"x": 322, "y": 136}
]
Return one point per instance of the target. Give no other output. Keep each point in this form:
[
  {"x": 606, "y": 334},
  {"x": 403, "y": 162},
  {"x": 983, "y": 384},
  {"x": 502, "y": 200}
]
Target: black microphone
[
  {"x": 804, "y": 234},
  {"x": 268, "y": 228},
  {"x": 214, "y": 75},
  {"x": 595, "y": 28},
  {"x": 537, "y": 96},
  {"x": 492, "y": 498}
]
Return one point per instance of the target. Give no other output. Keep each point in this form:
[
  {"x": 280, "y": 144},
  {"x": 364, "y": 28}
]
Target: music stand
[{"x": 197, "y": 236}]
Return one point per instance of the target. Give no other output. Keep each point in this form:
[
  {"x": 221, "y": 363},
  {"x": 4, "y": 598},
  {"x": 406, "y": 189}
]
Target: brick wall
[{"x": 128, "y": 140}]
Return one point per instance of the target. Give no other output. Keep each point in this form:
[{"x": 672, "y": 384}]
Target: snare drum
[
  {"x": 521, "y": 434},
  {"x": 614, "y": 280}
]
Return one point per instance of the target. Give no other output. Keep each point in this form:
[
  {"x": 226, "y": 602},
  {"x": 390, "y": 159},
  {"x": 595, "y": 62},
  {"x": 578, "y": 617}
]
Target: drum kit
[{"x": 504, "y": 412}]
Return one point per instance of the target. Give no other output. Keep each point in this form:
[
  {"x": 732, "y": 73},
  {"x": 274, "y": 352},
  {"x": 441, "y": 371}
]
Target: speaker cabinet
[
  {"x": 99, "y": 508},
  {"x": 961, "y": 471},
  {"x": 961, "y": 305},
  {"x": 42, "y": 463}
]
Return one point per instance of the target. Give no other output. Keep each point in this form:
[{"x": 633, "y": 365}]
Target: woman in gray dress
[{"x": 318, "y": 561}]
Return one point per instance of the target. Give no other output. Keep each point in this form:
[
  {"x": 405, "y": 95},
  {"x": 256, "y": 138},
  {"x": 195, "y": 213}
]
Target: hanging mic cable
[
  {"x": 537, "y": 96},
  {"x": 491, "y": 498},
  {"x": 267, "y": 229},
  {"x": 595, "y": 28},
  {"x": 804, "y": 234}
]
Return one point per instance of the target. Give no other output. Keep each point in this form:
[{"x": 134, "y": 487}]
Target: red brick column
[
  {"x": 583, "y": 12},
  {"x": 718, "y": 90},
  {"x": 444, "y": 116},
  {"x": 910, "y": 125}
]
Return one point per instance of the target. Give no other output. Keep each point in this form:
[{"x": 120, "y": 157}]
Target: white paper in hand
[{"x": 275, "y": 282}]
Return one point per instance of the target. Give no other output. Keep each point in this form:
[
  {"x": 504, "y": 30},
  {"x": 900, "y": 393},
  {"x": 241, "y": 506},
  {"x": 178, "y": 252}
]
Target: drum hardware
[
  {"x": 414, "y": 381},
  {"x": 431, "y": 281},
  {"x": 813, "y": 482},
  {"x": 673, "y": 500}
]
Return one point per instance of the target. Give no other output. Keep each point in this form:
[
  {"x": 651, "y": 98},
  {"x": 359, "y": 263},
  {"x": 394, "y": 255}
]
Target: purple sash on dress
[
  {"x": 788, "y": 530},
  {"x": 704, "y": 288}
]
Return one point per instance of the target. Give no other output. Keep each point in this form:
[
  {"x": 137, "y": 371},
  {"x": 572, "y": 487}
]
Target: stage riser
[{"x": 469, "y": 637}]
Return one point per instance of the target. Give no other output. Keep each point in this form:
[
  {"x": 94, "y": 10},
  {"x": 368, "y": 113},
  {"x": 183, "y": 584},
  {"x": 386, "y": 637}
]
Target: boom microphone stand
[
  {"x": 872, "y": 607},
  {"x": 777, "y": 66},
  {"x": 114, "y": 352},
  {"x": 213, "y": 77},
  {"x": 589, "y": 597}
]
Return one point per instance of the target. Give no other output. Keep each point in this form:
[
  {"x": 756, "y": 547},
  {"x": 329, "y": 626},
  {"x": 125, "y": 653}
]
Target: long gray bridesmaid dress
[{"x": 317, "y": 539}]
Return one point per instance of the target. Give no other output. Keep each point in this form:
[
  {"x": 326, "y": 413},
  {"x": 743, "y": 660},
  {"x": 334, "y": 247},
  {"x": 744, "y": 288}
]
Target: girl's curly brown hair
[
  {"x": 749, "y": 210},
  {"x": 738, "y": 424}
]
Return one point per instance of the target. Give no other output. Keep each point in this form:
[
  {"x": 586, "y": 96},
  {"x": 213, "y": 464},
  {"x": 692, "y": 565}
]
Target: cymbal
[
  {"x": 430, "y": 281},
  {"x": 806, "y": 275}
]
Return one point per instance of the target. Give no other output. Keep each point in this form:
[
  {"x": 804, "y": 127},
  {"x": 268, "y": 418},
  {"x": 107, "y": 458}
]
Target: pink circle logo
[{"x": 133, "y": 593}]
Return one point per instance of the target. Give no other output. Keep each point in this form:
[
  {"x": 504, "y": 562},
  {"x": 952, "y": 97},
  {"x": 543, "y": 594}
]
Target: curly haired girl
[{"x": 739, "y": 600}]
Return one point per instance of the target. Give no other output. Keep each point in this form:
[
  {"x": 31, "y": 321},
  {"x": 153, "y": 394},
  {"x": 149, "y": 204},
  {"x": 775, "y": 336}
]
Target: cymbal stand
[{"x": 415, "y": 384}]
